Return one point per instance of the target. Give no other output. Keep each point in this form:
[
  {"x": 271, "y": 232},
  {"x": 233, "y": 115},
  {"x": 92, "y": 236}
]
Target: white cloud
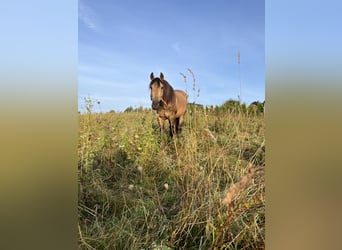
[
  {"x": 176, "y": 47},
  {"x": 87, "y": 16}
]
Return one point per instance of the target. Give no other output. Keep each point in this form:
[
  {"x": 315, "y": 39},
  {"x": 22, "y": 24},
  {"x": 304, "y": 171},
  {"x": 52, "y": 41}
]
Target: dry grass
[{"x": 199, "y": 191}]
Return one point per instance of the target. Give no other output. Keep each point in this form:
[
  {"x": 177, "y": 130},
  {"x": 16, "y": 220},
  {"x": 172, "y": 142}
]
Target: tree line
[{"x": 229, "y": 106}]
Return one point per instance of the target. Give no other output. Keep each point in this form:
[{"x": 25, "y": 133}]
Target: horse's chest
[{"x": 166, "y": 114}]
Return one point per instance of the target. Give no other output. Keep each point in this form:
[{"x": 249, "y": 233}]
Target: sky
[{"x": 121, "y": 42}]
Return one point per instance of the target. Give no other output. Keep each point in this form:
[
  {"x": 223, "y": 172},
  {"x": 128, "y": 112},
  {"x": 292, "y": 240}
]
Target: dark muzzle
[{"x": 155, "y": 104}]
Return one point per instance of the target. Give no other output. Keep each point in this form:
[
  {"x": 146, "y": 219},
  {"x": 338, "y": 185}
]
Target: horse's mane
[{"x": 168, "y": 92}]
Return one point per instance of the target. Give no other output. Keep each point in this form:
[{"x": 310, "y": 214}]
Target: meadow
[{"x": 204, "y": 189}]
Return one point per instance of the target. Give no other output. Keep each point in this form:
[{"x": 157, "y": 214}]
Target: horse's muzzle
[{"x": 155, "y": 104}]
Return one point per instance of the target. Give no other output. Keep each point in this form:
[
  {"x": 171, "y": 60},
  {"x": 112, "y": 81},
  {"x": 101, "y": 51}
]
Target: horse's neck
[{"x": 170, "y": 97}]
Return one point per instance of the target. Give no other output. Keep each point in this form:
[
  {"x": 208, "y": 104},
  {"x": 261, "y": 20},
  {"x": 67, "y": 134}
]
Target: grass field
[{"x": 202, "y": 190}]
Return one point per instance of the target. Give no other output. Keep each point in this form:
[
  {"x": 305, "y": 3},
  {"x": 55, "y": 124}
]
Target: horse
[{"x": 170, "y": 104}]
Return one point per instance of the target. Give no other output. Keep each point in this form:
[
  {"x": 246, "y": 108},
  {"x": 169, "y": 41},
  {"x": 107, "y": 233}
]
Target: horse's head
[{"x": 157, "y": 87}]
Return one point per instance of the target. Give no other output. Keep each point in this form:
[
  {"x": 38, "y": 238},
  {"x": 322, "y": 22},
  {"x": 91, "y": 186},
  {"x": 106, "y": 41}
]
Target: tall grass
[{"x": 202, "y": 190}]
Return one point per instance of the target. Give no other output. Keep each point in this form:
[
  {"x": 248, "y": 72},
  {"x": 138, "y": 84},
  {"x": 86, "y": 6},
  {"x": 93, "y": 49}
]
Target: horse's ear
[
  {"x": 161, "y": 76},
  {"x": 152, "y": 76}
]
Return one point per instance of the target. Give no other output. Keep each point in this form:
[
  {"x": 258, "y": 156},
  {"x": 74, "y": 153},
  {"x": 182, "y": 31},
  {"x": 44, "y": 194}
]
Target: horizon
[{"x": 149, "y": 108}]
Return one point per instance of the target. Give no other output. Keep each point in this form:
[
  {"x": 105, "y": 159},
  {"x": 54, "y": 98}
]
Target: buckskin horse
[{"x": 170, "y": 104}]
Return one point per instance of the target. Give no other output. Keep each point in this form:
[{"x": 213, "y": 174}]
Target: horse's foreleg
[
  {"x": 161, "y": 125},
  {"x": 172, "y": 127}
]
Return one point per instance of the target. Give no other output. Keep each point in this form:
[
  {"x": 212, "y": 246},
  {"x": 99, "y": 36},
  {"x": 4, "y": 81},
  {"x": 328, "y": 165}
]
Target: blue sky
[{"x": 121, "y": 42}]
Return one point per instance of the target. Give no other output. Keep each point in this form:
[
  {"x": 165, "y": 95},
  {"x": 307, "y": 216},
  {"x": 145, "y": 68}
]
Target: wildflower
[
  {"x": 130, "y": 187},
  {"x": 140, "y": 169},
  {"x": 166, "y": 186}
]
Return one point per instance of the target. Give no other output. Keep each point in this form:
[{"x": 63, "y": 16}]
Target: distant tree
[
  {"x": 256, "y": 107},
  {"x": 129, "y": 109},
  {"x": 139, "y": 109},
  {"x": 217, "y": 109},
  {"x": 243, "y": 108},
  {"x": 193, "y": 106},
  {"x": 230, "y": 106}
]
